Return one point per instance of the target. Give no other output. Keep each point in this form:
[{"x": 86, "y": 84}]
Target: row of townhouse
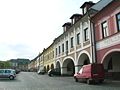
[
  {"x": 19, "y": 64},
  {"x": 44, "y": 60},
  {"x": 90, "y": 37}
]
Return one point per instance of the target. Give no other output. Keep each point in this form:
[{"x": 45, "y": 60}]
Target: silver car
[{"x": 7, "y": 73}]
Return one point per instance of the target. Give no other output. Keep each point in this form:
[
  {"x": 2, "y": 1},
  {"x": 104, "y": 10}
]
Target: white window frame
[
  {"x": 118, "y": 21},
  {"x": 105, "y": 32},
  {"x": 86, "y": 35},
  {"x": 78, "y": 38},
  {"x": 72, "y": 42}
]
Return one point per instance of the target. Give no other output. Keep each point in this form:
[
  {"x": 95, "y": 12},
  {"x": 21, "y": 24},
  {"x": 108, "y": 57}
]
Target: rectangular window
[
  {"x": 72, "y": 42},
  {"x": 56, "y": 51},
  {"x": 118, "y": 21},
  {"x": 53, "y": 54},
  {"x": 86, "y": 34},
  {"x": 59, "y": 50},
  {"x": 62, "y": 47},
  {"x": 105, "y": 29},
  {"x": 78, "y": 38},
  {"x": 66, "y": 45},
  {"x": 47, "y": 56},
  {"x": 85, "y": 10}
]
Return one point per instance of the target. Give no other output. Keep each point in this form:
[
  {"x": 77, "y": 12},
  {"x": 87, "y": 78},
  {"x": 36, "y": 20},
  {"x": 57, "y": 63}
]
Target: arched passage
[
  {"x": 48, "y": 68},
  {"x": 52, "y": 66},
  {"x": 68, "y": 67},
  {"x": 45, "y": 69},
  {"x": 83, "y": 60},
  {"x": 58, "y": 67},
  {"x": 111, "y": 64}
]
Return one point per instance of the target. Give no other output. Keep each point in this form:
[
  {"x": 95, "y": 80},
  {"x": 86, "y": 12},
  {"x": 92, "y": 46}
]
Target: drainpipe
[
  {"x": 39, "y": 60},
  {"x": 93, "y": 43}
]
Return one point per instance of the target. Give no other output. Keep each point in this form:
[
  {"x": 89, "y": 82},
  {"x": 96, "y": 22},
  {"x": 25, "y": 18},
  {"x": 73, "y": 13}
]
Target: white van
[
  {"x": 7, "y": 73},
  {"x": 41, "y": 70}
]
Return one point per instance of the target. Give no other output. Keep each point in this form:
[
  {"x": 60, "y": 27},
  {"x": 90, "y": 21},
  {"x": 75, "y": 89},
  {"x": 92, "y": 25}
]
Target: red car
[{"x": 90, "y": 73}]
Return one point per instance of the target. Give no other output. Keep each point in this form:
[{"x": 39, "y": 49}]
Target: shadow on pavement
[
  {"x": 110, "y": 83},
  {"x": 8, "y": 80}
]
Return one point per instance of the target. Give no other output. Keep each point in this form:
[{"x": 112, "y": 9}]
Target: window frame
[
  {"x": 59, "y": 49},
  {"x": 72, "y": 41},
  {"x": 105, "y": 32},
  {"x": 63, "y": 47},
  {"x": 118, "y": 21},
  {"x": 78, "y": 38},
  {"x": 56, "y": 51},
  {"x": 66, "y": 45},
  {"x": 86, "y": 36}
]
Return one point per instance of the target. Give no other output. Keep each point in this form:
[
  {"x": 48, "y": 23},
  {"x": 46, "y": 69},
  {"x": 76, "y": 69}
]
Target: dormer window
[
  {"x": 73, "y": 21},
  {"x": 75, "y": 17},
  {"x": 84, "y": 10},
  {"x": 86, "y": 6},
  {"x": 66, "y": 26},
  {"x": 64, "y": 29}
]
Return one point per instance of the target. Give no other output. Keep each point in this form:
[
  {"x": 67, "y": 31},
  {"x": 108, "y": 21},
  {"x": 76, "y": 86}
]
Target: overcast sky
[{"x": 28, "y": 26}]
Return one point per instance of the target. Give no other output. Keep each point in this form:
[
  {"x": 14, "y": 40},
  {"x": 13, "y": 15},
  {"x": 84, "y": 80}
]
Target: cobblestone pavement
[{"x": 33, "y": 81}]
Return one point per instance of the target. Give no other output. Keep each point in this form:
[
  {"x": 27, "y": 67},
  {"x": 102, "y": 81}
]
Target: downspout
[
  {"x": 93, "y": 43},
  {"x": 39, "y": 60}
]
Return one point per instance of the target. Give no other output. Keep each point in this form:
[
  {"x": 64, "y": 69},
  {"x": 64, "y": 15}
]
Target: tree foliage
[{"x": 5, "y": 64}]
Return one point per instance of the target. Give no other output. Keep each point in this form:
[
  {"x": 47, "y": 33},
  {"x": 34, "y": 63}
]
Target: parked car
[
  {"x": 41, "y": 71},
  {"x": 7, "y": 73},
  {"x": 90, "y": 73},
  {"x": 53, "y": 72}
]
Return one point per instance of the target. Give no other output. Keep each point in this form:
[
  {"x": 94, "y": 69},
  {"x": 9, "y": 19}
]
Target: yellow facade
[{"x": 48, "y": 58}]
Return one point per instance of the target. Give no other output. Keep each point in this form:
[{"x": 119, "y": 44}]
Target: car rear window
[
  {"x": 97, "y": 69},
  {"x": 1, "y": 71}
]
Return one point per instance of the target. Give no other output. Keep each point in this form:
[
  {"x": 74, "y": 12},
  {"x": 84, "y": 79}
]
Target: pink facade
[
  {"x": 101, "y": 54},
  {"x": 111, "y": 42}
]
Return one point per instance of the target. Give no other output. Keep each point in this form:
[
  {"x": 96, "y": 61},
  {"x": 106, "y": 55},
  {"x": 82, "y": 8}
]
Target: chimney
[
  {"x": 86, "y": 6},
  {"x": 75, "y": 17},
  {"x": 66, "y": 26}
]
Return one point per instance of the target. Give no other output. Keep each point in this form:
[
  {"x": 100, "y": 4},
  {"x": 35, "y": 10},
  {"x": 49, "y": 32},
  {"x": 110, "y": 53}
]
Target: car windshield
[{"x": 81, "y": 70}]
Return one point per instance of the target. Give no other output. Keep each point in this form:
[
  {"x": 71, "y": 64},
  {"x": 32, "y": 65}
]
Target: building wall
[
  {"x": 112, "y": 41},
  {"x": 31, "y": 66},
  {"x": 49, "y": 57},
  {"x": 41, "y": 60},
  {"x": 109, "y": 14},
  {"x": 74, "y": 52}
]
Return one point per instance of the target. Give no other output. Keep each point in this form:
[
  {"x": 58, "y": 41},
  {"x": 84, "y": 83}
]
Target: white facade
[{"x": 76, "y": 51}]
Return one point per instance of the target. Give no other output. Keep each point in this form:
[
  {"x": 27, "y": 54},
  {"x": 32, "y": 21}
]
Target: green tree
[{"x": 5, "y": 64}]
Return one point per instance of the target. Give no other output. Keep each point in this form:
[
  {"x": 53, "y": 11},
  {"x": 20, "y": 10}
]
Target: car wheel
[
  {"x": 52, "y": 75},
  {"x": 11, "y": 77},
  {"x": 76, "y": 80},
  {"x": 49, "y": 75},
  {"x": 89, "y": 81},
  {"x": 101, "y": 81}
]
